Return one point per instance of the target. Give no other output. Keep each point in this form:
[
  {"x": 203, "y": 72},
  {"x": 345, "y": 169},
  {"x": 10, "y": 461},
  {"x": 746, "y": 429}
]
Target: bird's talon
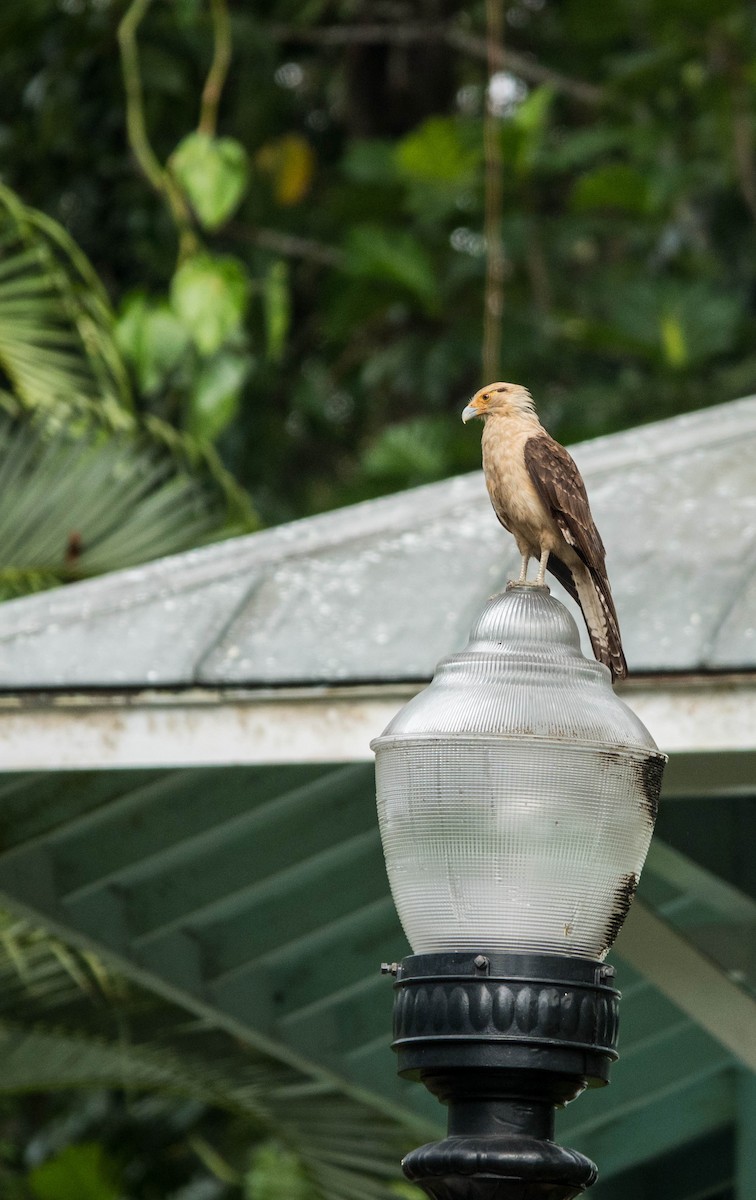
[{"x": 527, "y": 583}]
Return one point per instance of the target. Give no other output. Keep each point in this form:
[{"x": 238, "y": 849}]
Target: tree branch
[
  {"x": 405, "y": 34},
  {"x": 216, "y": 76},
  {"x": 287, "y": 244},
  {"x": 136, "y": 127},
  {"x": 493, "y": 295},
  {"x": 526, "y": 67}
]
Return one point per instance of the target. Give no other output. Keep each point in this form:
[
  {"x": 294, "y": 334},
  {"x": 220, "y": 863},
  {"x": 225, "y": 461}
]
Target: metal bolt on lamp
[{"x": 516, "y": 799}]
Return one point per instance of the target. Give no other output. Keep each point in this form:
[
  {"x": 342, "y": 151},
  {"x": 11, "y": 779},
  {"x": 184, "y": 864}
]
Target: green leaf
[
  {"x": 215, "y": 395},
  {"x": 411, "y": 453},
  {"x": 276, "y": 1174},
  {"x": 613, "y": 186},
  {"x": 83, "y": 1171},
  {"x": 667, "y": 321},
  {"x": 370, "y": 160},
  {"x": 578, "y": 147},
  {"x": 152, "y": 338},
  {"x": 523, "y": 134},
  {"x": 697, "y": 323},
  {"x": 277, "y": 308},
  {"x": 213, "y": 173},
  {"x": 533, "y": 114},
  {"x": 436, "y": 153},
  {"x": 406, "y": 1191},
  {"x": 673, "y": 340},
  {"x": 187, "y": 12},
  {"x": 210, "y": 296},
  {"x": 392, "y": 256}
]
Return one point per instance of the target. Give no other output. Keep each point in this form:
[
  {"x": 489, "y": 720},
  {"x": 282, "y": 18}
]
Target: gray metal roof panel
[{"x": 383, "y": 589}]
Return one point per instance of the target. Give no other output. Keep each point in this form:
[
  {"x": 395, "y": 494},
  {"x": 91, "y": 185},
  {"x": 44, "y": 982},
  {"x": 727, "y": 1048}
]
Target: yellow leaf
[{"x": 290, "y": 162}]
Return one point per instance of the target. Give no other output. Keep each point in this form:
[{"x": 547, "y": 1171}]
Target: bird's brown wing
[{"x": 561, "y": 488}]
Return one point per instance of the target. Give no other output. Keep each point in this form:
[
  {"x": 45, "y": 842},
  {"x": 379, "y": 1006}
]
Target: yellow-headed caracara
[{"x": 539, "y": 496}]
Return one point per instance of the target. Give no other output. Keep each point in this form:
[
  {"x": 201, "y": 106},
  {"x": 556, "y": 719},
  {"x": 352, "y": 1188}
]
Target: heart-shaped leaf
[
  {"x": 209, "y": 294},
  {"x": 152, "y": 338},
  {"x": 215, "y": 395},
  {"x": 213, "y": 173}
]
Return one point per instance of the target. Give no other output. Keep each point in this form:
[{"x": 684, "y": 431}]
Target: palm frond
[
  {"x": 202, "y": 458},
  {"x": 57, "y": 349},
  {"x": 71, "y": 507}
]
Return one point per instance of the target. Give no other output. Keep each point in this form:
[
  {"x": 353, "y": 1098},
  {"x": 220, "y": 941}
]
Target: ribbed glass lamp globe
[{"x": 517, "y": 793}]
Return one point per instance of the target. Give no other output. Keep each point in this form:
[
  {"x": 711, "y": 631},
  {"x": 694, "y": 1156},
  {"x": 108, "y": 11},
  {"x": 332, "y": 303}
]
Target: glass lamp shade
[{"x": 517, "y": 793}]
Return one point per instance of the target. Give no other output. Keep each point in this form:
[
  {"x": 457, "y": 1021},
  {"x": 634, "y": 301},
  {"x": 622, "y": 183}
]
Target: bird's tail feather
[{"x": 595, "y": 598}]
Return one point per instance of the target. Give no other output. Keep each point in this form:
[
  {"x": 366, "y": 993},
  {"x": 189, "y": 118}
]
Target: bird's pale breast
[{"x": 513, "y": 495}]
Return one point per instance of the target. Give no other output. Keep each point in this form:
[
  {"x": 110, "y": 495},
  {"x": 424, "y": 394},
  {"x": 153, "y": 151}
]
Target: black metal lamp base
[
  {"x": 499, "y": 1167},
  {"x": 502, "y": 1039}
]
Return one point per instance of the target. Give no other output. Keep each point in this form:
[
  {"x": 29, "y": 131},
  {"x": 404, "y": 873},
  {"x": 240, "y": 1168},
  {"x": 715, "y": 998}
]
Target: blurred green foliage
[
  {"x": 89, "y": 482},
  {"x": 296, "y": 260},
  {"x": 109, "y": 1092},
  {"x": 276, "y": 1174},
  {"x": 100, "y": 1145},
  {"x": 82, "y": 1169},
  {"x": 320, "y": 321}
]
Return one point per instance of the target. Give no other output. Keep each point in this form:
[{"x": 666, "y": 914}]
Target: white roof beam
[
  {"x": 691, "y": 980},
  {"x": 204, "y": 727}
]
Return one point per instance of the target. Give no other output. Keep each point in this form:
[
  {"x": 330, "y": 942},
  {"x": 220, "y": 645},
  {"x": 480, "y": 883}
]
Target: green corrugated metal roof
[{"x": 257, "y": 898}]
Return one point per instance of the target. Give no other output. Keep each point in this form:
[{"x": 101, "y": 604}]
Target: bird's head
[{"x": 510, "y": 399}]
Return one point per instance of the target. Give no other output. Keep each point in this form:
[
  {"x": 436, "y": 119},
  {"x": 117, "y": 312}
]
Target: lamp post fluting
[{"x": 517, "y": 796}]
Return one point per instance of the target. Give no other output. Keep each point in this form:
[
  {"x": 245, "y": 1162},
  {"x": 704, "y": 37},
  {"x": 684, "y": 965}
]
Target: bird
[{"x": 539, "y": 496}]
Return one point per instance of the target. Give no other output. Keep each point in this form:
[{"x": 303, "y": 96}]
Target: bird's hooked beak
[{"x": 471, "y": 411}]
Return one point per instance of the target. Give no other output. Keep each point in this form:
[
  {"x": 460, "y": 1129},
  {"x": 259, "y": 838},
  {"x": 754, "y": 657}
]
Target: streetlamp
[{"x": 516, "y": 800}]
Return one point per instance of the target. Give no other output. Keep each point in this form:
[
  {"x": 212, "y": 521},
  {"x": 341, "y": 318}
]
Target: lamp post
[{"x": 516, "y": 801}]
